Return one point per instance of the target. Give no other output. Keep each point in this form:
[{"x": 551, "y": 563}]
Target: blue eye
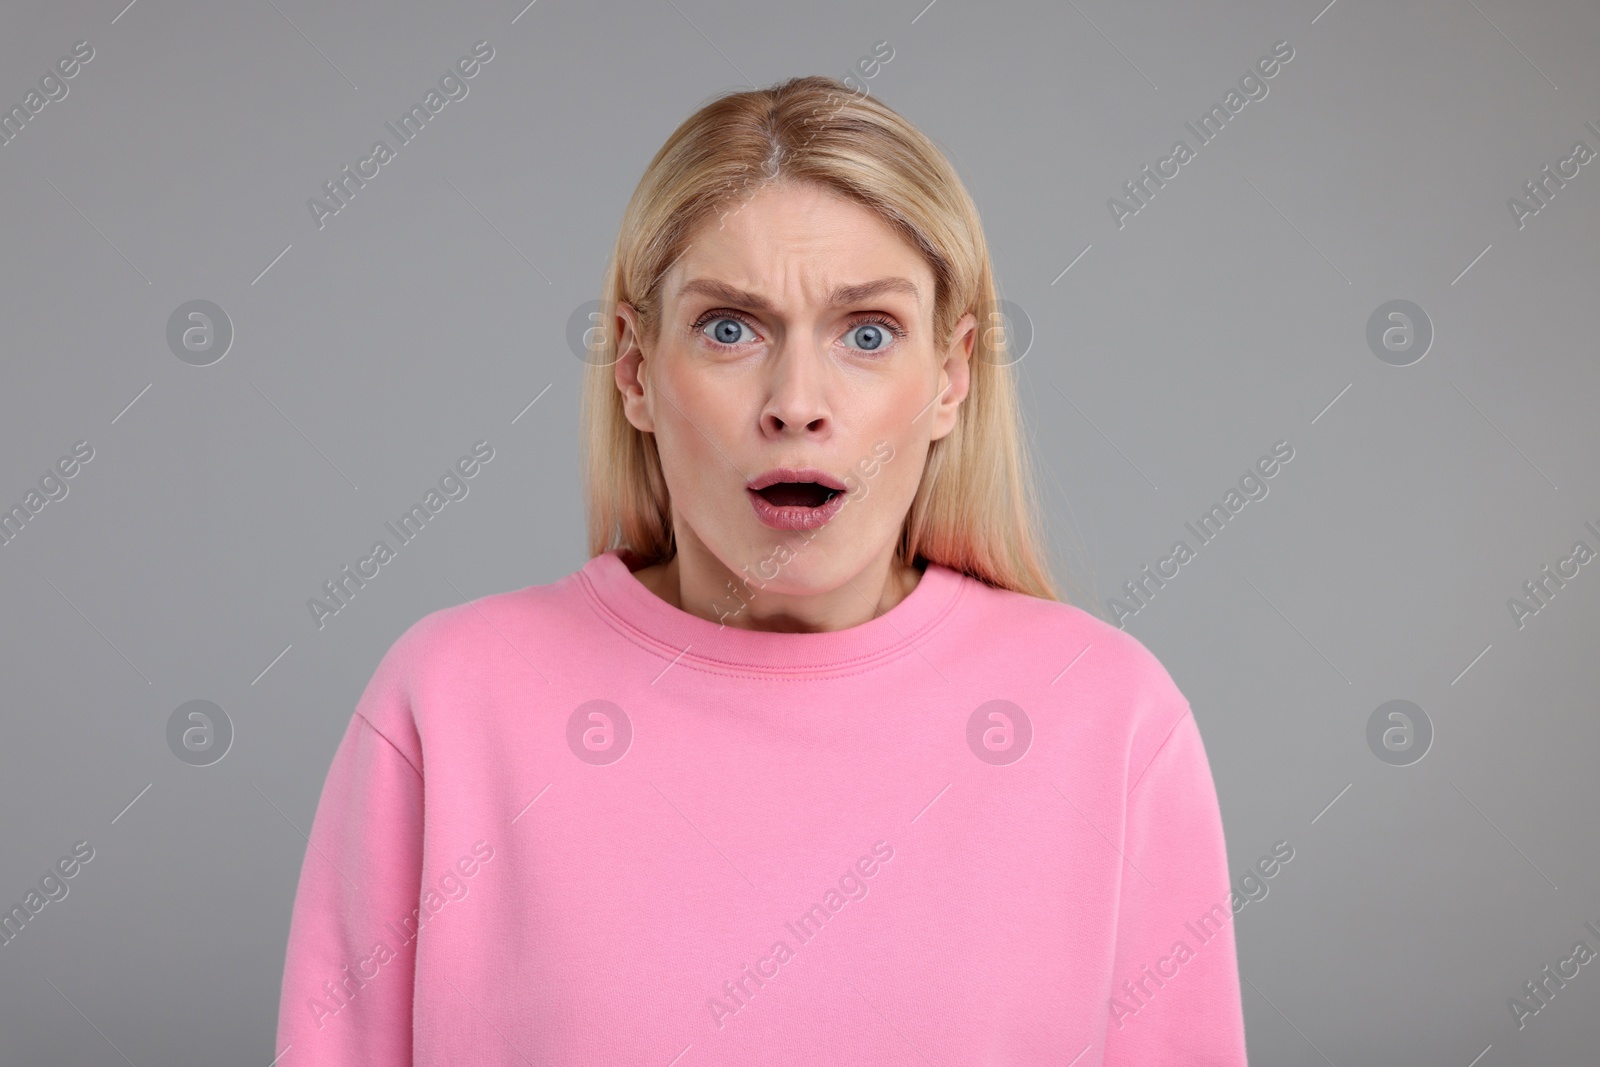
[
  {"x": 726, "y": 330},
  {"x": 871, "y": 336}
]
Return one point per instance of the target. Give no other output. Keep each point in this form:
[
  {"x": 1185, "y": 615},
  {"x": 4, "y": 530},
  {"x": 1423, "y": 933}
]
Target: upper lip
[{"x": 793, "y": 474}]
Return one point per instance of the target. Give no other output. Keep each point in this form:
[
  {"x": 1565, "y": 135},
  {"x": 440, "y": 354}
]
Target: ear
[
  {"x": 954, "y": 375},
  {"x": 628, "y": 369}
]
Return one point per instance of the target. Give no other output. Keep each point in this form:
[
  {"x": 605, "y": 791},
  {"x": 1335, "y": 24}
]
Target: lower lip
[{"x": 796, "y": 517}]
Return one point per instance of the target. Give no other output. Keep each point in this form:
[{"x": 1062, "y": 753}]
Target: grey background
[{"x": 1229, "y": 314}]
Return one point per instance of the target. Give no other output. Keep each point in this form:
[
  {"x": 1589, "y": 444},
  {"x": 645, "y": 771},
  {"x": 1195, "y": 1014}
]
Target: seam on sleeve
[
  {"x": 401, "y": 649},
  {"x": 398, "y": 751},
  {"x": 1137, "y": 782}
]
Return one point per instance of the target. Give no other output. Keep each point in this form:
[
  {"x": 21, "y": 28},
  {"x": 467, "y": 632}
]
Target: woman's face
[{"x": 796, "y": 332}]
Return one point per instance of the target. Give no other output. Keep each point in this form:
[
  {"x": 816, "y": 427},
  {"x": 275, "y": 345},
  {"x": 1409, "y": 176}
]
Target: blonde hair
[{"x": 975, "y": 509}]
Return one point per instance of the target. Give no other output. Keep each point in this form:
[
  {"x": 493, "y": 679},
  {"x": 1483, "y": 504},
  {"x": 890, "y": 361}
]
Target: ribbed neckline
[{"x": 689, "y": 640}]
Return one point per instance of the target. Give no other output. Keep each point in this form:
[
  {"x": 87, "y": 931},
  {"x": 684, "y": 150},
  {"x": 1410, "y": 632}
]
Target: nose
[{"x": 796, "y": 400}]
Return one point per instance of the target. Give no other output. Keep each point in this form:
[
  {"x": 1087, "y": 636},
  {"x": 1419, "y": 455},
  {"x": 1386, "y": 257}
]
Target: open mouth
[{"x": 797, "y": 494}]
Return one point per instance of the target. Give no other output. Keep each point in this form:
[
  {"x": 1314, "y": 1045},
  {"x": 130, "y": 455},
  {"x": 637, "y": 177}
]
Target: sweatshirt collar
[{"x": 689, "y": 640}]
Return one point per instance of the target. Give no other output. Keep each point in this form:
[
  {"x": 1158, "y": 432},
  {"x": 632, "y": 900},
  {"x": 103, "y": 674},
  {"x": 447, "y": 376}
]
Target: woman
[{"x": 807, "y": 764}]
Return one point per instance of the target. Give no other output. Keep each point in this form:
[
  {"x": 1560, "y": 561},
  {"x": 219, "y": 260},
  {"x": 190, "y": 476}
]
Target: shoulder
[
  {"x": 445, "y": 658},
  {"x": 1050, "y": 629},
  {"x": 1078, "y": 663},
  {"x": 489, "y": 626}
]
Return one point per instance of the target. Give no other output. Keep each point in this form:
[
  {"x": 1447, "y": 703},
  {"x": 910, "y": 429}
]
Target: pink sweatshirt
[{"x": 573, "y": 825}]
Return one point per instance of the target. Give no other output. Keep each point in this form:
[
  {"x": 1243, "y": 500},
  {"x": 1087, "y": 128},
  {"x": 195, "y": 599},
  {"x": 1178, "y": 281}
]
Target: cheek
[
  {"x": 902, "y": 474},
  {"x": 886, "y": 486},
  {"x": 896, "y": 410},
  {"x": 695, "y": 435},
  {"x": 687, "y": 460},
  {"x": 892, "y": 447}
]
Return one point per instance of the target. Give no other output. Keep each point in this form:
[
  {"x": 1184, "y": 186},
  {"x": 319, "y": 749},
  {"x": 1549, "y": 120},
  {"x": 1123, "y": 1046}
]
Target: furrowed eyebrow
[{"x": 842, "y": 296}]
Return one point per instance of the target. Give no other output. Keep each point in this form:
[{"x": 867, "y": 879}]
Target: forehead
[{"x": 804, "y": 242}]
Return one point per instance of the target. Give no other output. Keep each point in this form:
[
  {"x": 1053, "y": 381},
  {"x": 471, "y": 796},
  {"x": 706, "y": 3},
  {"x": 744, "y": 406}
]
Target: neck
[{"x": 801, "y": 598}]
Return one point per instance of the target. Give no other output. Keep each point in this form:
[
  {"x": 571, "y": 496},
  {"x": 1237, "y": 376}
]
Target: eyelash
[{"x": 870, "y": 319}]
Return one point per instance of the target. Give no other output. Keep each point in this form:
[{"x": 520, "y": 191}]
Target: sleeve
[
  {"x": 1175, "y": 997},
  {"x": 346, "y": 996}
]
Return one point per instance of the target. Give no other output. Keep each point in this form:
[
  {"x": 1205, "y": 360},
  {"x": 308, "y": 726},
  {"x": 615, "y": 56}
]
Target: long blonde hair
[{"x": 975, "y": 509}]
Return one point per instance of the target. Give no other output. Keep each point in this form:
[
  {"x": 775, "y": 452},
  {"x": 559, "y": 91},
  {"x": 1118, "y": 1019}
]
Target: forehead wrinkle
[{"x": 842, "y": 295}]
